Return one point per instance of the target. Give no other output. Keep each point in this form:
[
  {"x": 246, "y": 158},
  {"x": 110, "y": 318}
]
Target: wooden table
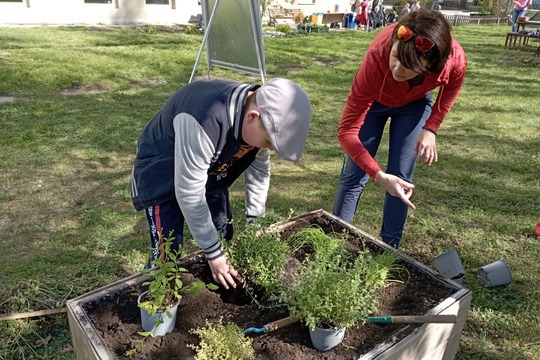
[
  {"x": 328, "y": 18},
  {"x": 523, "y": 23}
]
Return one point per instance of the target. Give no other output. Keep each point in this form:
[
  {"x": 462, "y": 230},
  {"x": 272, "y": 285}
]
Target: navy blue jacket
[{"x": 194, "y": 144}]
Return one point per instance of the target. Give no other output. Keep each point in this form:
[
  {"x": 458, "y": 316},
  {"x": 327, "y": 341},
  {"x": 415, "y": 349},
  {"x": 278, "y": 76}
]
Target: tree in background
[
  {"x": 495, "y": 7},
  {"x": 399, "y": 5},
  {"x": 266, "y": 4}
]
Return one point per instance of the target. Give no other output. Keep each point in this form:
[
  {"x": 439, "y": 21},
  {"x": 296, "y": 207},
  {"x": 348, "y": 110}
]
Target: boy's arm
[
  {"x": 257, "y": 182},
  {"x": 193, "y": 151}
]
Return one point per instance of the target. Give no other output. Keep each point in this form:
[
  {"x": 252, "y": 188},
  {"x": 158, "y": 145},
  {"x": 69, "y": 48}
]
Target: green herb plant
[
  {"x": 222, "y": 341},
  {"x": 261, "y": 256},
  {"x": 192, "y": 29},
  {"x": 166, "y": 287},
  {"x": 315, "y": 238},
  {"x": 283, "y": 28},
  {"x": 333, "y": 289}
]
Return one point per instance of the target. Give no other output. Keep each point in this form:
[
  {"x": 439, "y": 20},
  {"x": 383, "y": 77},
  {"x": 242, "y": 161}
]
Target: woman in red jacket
[
  {"x": 361, "y": 18},
  {"x": 402, "y": 66}
]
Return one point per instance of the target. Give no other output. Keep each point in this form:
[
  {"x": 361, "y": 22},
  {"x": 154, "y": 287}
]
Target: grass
[{"x": 83, "y": 95}]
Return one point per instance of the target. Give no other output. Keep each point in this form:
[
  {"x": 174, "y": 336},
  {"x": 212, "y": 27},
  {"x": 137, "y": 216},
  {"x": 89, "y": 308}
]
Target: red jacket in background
[{"x": 374, "y": 82}]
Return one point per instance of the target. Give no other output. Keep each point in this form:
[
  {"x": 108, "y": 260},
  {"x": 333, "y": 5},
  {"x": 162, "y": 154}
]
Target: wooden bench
[
  {"x": 513, "y": 37},
  {"x": 281, "y": 13}
]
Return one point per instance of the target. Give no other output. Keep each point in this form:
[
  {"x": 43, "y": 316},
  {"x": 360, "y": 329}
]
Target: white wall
[
  {"x": 320, "y": 6},
  {"x": 65, "y": 12}
]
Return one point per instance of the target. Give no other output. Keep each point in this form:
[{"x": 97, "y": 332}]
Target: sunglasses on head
[{"x": 421, "y": 43}]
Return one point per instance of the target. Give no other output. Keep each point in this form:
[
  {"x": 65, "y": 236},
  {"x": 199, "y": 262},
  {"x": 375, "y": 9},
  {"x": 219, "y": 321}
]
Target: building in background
[
  {"x": 309, "y": 7},
  {"x": 119, "y": 12},
  {"x": 93, "y": 12}
]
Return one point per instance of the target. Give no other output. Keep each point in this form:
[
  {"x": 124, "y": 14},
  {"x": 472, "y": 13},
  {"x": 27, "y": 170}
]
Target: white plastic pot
[
  {"x": 160, "y": 324},
  {"x": 326, "y": 339}
]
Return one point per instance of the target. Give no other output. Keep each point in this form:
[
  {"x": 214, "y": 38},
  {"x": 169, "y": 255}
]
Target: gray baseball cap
[{"x": 286, "y": 114}]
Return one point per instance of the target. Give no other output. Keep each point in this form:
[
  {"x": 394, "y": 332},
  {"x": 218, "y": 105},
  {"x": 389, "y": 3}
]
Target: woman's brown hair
[{"x": 433, "y": 26}]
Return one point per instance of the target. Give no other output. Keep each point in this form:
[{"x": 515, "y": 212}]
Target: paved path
[{"x": 6, "y": 99}]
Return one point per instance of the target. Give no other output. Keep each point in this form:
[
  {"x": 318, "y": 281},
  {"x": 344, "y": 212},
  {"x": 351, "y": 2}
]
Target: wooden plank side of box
[
  {"x": 430, "y": 341},
  {"x": 88, "y": 344}
]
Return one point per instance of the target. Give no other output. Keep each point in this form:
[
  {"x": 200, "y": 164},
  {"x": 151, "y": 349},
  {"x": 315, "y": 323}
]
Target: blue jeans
[
  {"x": 405, "y": 126},
  {"x": 515, "y": 15}
]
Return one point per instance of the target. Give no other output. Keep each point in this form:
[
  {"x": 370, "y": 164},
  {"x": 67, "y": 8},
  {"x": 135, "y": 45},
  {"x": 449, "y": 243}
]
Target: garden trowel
[
  {"x": 274, "y": 325},
  {"x": 402, "y": 319}
]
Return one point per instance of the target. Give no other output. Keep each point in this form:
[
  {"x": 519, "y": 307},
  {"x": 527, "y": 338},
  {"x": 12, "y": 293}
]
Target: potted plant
[
  {"x": 165, "y": 290},
  {"x": 224, "y": 342},
  {"x": 334, "y": 288}
]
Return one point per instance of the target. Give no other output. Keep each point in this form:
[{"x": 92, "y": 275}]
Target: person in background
[
  {"x": 370, "y": 5},
  {"x": 377, "y": 3},
  {"x": 520, "y": 9},
  {"x": 402, "y": 66},
  {"x": 376, "y": 18},
  {"x": 415, "y": 6},
  {"x": 405, "y": 11},
  {"x": 382, "y": 12},
  {"x": 354, "y": 6},
  {"x": 206, "y": 135},
  {"x": 361, "y": 18},
  {"x": 392, "y": 16}
]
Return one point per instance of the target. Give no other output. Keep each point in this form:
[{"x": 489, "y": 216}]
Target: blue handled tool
[
  {"x": 274, "y": 325},
  {"x": 405, "y": 319}
]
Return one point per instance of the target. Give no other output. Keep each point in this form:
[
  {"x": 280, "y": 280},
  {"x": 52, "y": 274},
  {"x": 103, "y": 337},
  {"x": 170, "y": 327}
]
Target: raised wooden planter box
[{"x": 428, "y": 341}]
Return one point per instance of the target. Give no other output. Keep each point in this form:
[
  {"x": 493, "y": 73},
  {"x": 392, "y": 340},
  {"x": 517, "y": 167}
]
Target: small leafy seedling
[
  {"x": 166, "y": 287},
  {"x": 224, "y": 342}
]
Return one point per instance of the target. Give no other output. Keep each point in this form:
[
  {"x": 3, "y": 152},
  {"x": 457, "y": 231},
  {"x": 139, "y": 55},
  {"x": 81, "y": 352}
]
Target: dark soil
[{"x": 117, "y": 318}]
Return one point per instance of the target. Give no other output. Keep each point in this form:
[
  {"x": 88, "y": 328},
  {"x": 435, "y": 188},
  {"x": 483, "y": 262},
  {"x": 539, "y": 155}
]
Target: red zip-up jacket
[{"x": 374, "y": 82}]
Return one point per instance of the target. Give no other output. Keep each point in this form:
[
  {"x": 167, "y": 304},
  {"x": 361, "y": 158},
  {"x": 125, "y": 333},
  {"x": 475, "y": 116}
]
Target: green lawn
[{"x": 83, "y": 95}]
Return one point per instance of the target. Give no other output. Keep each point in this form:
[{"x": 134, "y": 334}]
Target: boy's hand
[{"x": 223, "y": 273}]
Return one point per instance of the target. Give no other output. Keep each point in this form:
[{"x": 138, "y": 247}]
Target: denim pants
[
  {"x": 169, "y": 220},
  {"x": 515, "y": 15},
  {"x": 405, "y": 126}
]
